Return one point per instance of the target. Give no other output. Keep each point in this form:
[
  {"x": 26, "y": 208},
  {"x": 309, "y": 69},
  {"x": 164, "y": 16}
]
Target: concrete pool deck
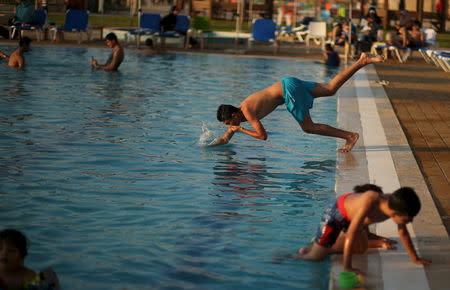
[{"x": 383, "y": 156}]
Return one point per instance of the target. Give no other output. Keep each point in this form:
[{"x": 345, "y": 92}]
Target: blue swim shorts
[{"x": 298, "y": 97}]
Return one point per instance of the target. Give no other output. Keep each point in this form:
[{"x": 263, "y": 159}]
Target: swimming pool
[{"x": 105, "y": 175}]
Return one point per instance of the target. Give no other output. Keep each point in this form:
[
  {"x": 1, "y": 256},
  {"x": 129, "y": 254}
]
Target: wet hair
[
  {"x": 225, "y": 112},
  {"x": 405, "y": 202},
  {"x": 418, "y": 23},
  {"x": 367, "y": 187},
  {"x": 328, "y": 47},
  {"x": 111, "y": 36},
  {"x": 149, "y": 42},
  {"x": 24, "y": 41},
  {"x": 16, "y": 238}
]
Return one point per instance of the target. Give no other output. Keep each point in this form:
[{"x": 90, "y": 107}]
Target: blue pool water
[{"x": 105, "y": 175}]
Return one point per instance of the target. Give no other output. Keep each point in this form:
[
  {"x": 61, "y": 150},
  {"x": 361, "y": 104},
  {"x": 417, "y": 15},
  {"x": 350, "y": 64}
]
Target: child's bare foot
[
  {"x": 367, "y": 58},
  {"x": 301, "y": 253},
  {"x": 304, "y": 251},
  {"x": 388, "y": 245},
  {"x": 351, "y": 141},
  {"x": 382, "y": 244}
]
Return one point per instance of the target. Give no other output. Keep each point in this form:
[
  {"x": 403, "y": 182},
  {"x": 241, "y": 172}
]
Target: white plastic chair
[
  {"x": 318, "y": 33},
  {"x": 430, "y": 37},
  {"x": 300, "y": 32}
]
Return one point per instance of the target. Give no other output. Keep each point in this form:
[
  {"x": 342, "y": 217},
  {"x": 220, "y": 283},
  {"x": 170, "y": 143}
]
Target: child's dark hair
[
  {"x": 405, "y": 202},
  {"x": 367, "y": 187},
  {"x": 24, "y": 40},
  {"x": 328, "y": 47},
  {"x": 16, "y": 238},
  {"x": 225, "y": 112},
  {"x": 111, "y": 36}
]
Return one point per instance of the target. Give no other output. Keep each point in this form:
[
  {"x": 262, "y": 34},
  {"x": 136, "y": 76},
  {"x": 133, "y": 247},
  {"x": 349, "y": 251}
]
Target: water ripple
[{"x": 106, "y": 175}]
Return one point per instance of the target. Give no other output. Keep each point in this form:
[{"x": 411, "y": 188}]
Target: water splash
[{"x": 207, "y": 137}]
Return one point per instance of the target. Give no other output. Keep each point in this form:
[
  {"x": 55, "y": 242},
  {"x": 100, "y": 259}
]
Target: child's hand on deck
[
  {"x": 420, "y": 261},
  {"x": 389, "y": 244}
]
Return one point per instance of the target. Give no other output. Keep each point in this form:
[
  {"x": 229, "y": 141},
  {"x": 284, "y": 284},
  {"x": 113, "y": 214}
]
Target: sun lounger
[
  {"x": 263, "y": 30},
  {"x": 75, "y": 21},
  {"x": 181, "y": 29},
  {"x": 149, "y": 25},
  {"x": 41, "y": 16},
  {"x": 201, "y": 29},
  {"x": 292, "y": 33},
  {"x": 386, "y": 48},
  {"x": 440, "y": 58}
]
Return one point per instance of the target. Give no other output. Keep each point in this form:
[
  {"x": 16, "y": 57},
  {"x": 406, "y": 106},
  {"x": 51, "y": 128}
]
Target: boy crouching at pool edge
[{"x": 352, "y": 213}]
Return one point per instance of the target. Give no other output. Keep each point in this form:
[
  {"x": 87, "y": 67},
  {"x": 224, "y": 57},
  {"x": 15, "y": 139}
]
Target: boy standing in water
[
  {"x": 298, "y": 95},
  {"x": 16, "y": 59},
  {"x": 116, "y": 57},
  {"x": 352, "y": 213}
]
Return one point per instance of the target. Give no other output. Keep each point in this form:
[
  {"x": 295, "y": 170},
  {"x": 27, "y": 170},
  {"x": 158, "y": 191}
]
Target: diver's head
[{"x": 229, "y": 115}]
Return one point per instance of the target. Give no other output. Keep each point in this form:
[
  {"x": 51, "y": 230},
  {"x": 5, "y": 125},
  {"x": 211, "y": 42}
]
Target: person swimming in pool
[
  {"x": 16, "y": 59},
  {"x": 13, "y": 273},
  {"x": 298, "y": 95},
  {"x": 116, "y": 57}
]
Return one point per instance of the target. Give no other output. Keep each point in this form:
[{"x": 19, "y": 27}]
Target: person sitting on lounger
[
  {"x": 16, "y": 59},
  {"x": 298, "y": 95},
  {"x": 116, "y": 57},
  {"x": 416, "y": 37}
]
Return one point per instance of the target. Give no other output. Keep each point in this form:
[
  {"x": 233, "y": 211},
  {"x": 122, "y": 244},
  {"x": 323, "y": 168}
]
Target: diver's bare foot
[
  {"x": 351, "y": 141},
  {"x": 367, "y": 58}
]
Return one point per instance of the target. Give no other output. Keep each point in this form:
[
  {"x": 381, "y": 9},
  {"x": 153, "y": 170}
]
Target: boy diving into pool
[{"x": 298, "y": 95}]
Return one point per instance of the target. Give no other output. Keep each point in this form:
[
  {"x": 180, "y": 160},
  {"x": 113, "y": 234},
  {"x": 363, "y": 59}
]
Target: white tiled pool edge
[{"x": 359, "y": 102}]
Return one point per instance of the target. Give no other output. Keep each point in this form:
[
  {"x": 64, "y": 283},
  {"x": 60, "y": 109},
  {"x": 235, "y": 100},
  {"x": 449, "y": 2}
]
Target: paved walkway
[
  {"x": 420, "y": 95},
  {"x": 383, "y": 155}
]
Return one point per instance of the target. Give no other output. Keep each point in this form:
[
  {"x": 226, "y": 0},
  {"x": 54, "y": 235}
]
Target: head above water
[
  {"x": 227, "y": 113},
  {"x": 149, "y": 42},
  {"x": 25, "y": 42},
  {"x": 111, "y": 39},
  {"x": 16, "y": 239},
  {"x": 405, "y": 202},
  {"x": 328, "y": 47}
]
